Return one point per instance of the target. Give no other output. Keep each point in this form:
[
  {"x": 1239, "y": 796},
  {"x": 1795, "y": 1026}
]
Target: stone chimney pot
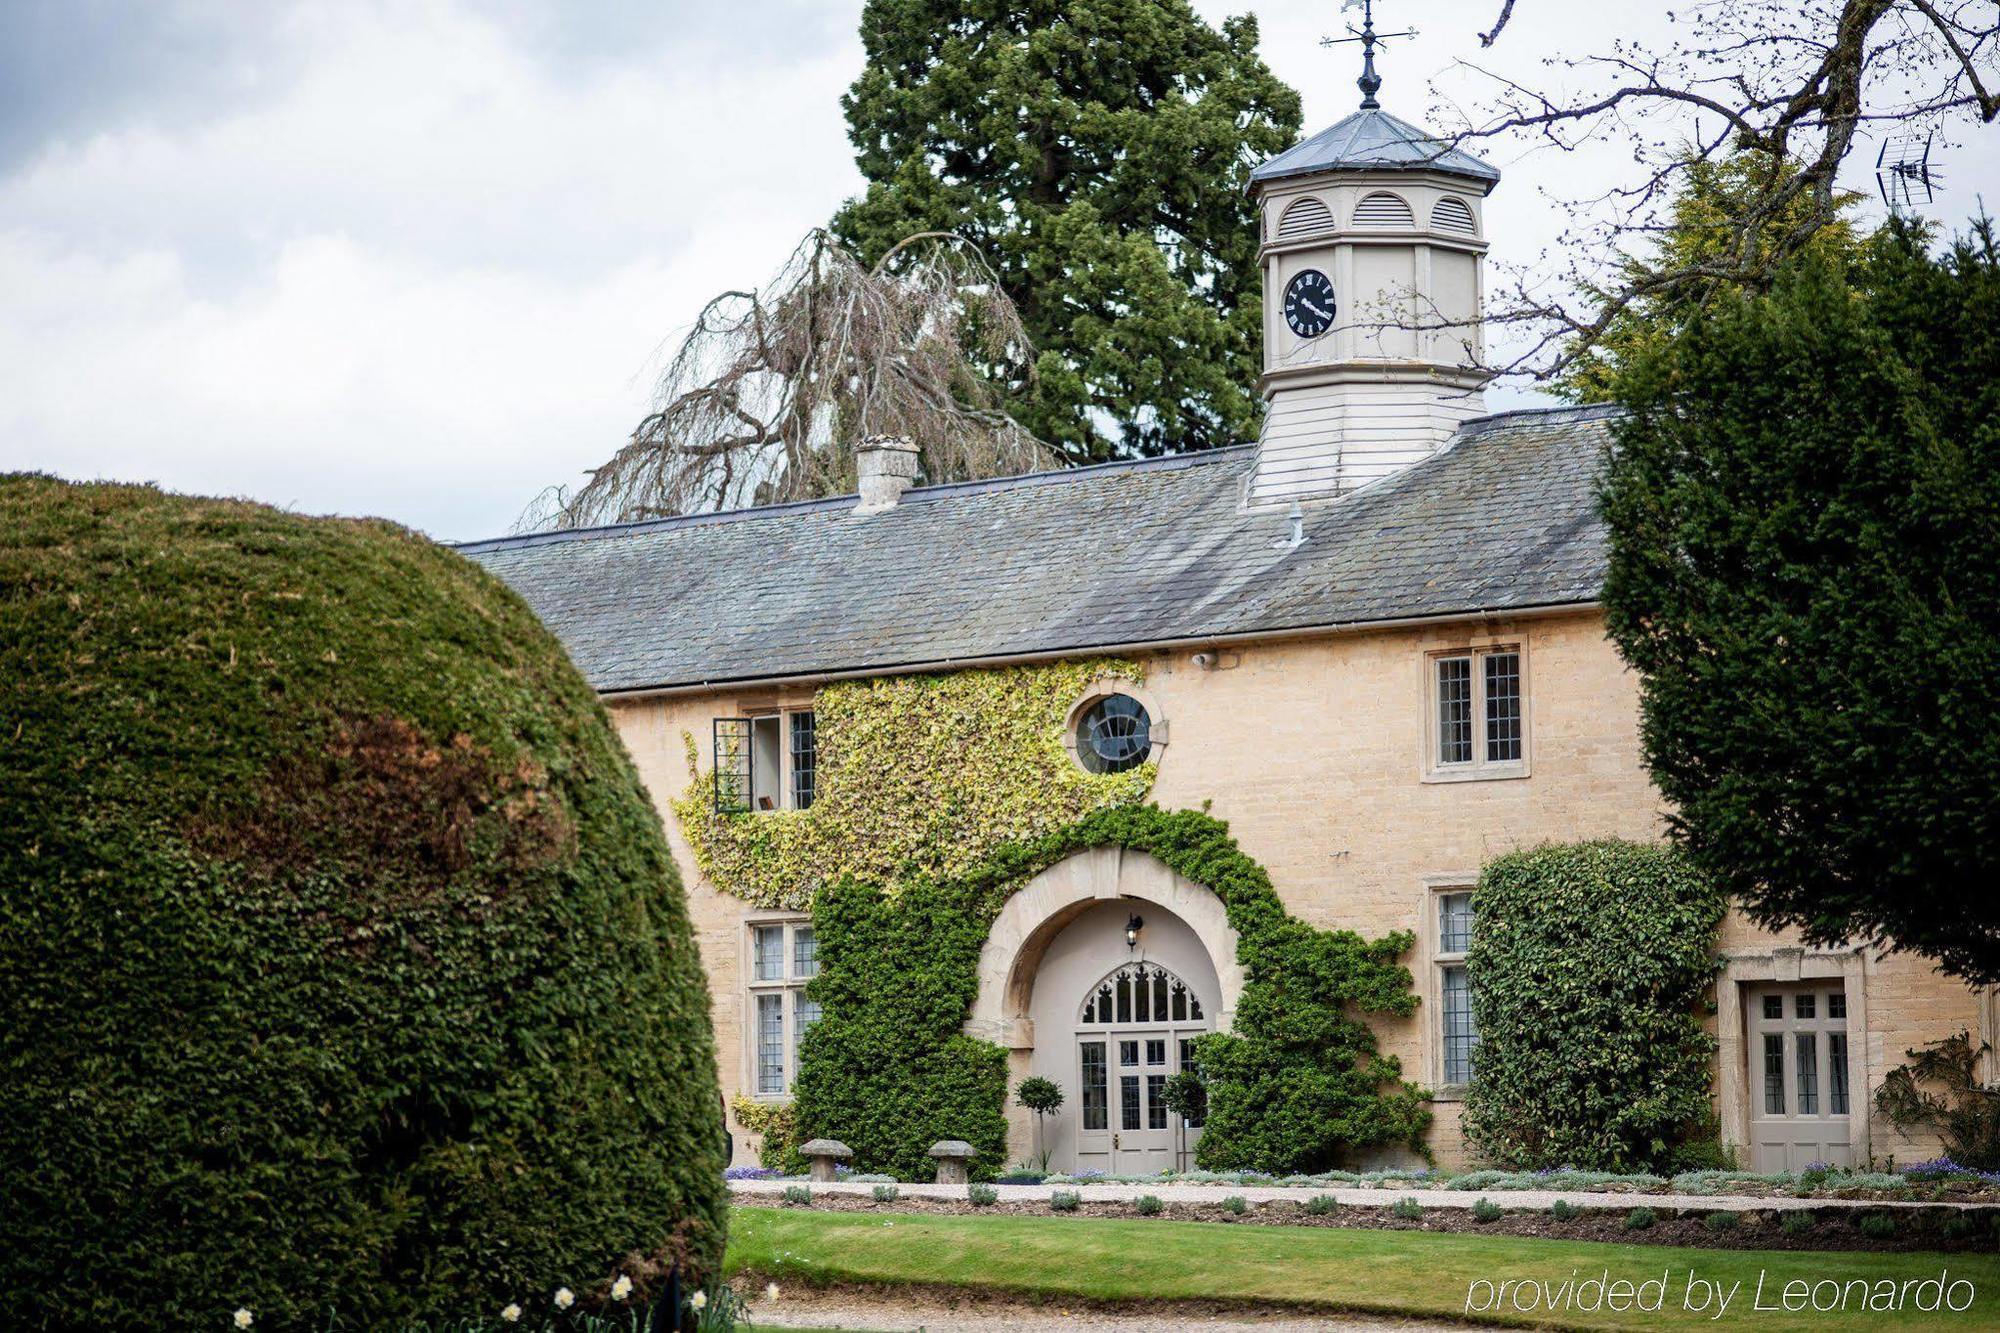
[{"x": 888, "y": 466}]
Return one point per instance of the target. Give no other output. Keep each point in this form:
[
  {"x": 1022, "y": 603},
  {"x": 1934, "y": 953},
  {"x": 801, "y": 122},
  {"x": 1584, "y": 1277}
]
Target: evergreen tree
[
  {"x": 1098, "y": 153},
  {"x": 1803, "y": 506},
  {"x": 1704, "y": 235}
]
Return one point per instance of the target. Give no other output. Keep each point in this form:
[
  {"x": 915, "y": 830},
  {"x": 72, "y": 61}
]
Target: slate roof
[
  {"x": 1372, "y": 140},
  {"x": 1069, "y": 561}
]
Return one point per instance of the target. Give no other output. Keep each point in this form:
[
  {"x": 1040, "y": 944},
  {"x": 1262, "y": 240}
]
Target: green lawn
[{"x": 1391, "y": 1272}]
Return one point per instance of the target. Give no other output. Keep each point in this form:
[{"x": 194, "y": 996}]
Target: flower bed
[
  {"x": 1952, "y": 1230},
  {"x": 1937, "y": 1179}
]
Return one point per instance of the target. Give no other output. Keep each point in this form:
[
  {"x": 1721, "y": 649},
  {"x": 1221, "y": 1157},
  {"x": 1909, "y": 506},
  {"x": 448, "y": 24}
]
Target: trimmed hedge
[
  {"x": 1588, "y": 966},
  {"x": 344, "y": 972},
  {"x": 1298, "y": 1086}
]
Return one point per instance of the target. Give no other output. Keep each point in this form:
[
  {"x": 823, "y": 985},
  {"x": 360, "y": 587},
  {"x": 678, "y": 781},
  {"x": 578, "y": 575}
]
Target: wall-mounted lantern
[{"x": 1132, "y": 929}]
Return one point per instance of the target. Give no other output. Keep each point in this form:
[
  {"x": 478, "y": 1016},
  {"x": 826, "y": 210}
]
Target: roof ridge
[
  {"x": 916, "y": 494},
  {"x": 1560, "y": 412}
]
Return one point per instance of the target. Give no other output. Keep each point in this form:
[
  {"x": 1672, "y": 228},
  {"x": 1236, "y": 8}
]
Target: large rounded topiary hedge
[{"x": 343, "y": 969}]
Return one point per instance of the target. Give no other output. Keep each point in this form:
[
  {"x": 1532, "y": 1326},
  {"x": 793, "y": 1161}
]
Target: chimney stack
[{"x": 887, "y": 464}]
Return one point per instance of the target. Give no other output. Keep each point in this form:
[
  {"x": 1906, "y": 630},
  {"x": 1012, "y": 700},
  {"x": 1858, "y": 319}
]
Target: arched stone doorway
[{"x": 1055, "y": 944}]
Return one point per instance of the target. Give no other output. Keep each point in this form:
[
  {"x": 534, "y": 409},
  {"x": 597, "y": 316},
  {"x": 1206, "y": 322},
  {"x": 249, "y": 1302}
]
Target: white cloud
[
  {"x": 415, "y": 259},
  {"x": 426, "y": 281}
]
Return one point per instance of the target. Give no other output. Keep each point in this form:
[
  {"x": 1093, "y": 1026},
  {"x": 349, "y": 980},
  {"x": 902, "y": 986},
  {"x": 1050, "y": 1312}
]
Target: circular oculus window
[{"x": 1114, "y": 734}]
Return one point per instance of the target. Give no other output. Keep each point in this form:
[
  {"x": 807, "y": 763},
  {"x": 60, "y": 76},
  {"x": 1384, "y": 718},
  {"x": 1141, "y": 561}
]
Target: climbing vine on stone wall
[
  {"x": 1591, "y": 966},
  {"x": 939, "y": 797},
  {"x": 921, "y": 775},
  {"x": 1297, "y": 1086}
]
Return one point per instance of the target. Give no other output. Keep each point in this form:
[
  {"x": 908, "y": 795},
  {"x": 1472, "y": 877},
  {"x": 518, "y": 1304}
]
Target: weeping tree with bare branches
[
  {"x": 770, "y": 392},
  {"x": 1775, "y": 95}
]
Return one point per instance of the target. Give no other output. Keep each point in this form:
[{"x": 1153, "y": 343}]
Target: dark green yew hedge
[
  {"x": 1590, "y": 965},
  {"x": 1298, "y": 1086},
  {"x": 343, "y": 968}
]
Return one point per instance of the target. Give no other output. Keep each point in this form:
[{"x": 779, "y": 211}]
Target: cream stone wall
[{"x": 1313, "y": 750}]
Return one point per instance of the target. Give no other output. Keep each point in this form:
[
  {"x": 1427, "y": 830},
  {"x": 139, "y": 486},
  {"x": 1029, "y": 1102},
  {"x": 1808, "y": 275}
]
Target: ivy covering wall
[
  {"x": 942, "y": 795},
  {"x": 1590, "y": 966},
  {"x": 918, "y": 776}
]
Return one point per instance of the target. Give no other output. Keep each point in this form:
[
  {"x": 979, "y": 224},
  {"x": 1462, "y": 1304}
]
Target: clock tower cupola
[{"x": 1372, "y": 252}]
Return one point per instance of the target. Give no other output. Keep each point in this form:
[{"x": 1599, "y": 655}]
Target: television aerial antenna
[
  {"x": 1370, "y": 82},
  {"x": 1903, "y": 172}
]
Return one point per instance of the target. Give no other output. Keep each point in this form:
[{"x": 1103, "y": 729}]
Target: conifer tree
[
  {"x": 1803, "y": 505},
  {"x": 1098, "y": 153}
]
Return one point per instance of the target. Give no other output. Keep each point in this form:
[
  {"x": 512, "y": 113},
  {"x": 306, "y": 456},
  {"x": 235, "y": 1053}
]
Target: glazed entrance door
[
  {"x": 1136, "y": 1031},
  {"x": 1143, "y": 1142},
  {"x": 1799, "y": 1076}
]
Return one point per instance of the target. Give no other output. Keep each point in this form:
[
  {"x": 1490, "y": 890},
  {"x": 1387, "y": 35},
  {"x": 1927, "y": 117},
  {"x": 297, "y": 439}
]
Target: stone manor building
[{"x": 1370, "y": 641}]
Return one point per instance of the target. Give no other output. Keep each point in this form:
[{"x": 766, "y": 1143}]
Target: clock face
[{"x": 1309, "y": 304}]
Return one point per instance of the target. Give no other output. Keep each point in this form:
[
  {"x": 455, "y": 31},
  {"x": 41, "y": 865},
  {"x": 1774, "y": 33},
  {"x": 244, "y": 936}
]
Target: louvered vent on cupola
[
  {"x": 1307, "y": 217},
  {"x": 1455, "y": 215},
  {"x": 1383, "y": 209}
]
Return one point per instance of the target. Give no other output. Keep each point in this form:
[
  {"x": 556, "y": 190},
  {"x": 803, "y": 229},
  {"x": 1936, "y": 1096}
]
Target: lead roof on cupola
[{"x": 1372, "y": 140}]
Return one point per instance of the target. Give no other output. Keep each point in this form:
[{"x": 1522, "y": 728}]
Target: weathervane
[{"x": 1370, "y": 82}]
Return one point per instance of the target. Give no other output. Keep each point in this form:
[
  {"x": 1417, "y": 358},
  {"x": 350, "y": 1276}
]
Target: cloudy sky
[{"x": 420, "y": 259}]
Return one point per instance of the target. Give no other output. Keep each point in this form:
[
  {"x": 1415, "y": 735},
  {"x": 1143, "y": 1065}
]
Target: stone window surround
[
  {"x": 1783, "y": 966},
  {"x": 791, "y": 987},
  {"x": 1431, "y": 978},
  {"x": 1480, "y": 769}
]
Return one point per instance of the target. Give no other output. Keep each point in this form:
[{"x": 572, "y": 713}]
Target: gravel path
[{"x": 755, "y": 1190}]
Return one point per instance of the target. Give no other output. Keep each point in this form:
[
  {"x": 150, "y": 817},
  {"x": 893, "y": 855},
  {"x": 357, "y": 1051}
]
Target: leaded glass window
[
  {"x": 1458, "y": 1034},
  {"x": 1114, "y": 734},
  {"x": 805, "y": 1013},
  {"x": 1461, "y": 1039},
  {"x": 784, "y": 957},
  {"x": 1156, "y": 1109},
  {"x": 1478, "y": 712},
  {"x": 768, "y": 948},
  {"x": 1128, "y": 1101},
  {"x": 1454, "y": 703},
  {"x": 1454, "y": 922},
  {"x": 1503, "y": 707},
  {"x": 805, "y": 759},
  {"x": 770, "y": 1044}
]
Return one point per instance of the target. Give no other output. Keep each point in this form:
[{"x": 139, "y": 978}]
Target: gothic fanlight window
[{"x": 1142, "y": 993}]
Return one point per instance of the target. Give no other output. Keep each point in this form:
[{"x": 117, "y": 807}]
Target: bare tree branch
[
  {"x": 1787, "y": 85},
  {"x": 771, "y": 390}
]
